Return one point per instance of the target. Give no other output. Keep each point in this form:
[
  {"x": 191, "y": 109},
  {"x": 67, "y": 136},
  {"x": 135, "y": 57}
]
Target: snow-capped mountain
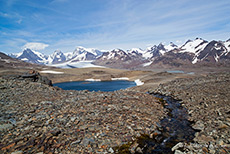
[
  {"x": 192, "y": 52},
  {"x": 9, "y": 62},
  {"x": 79, "y": 54},
  {"x": 56, "y": 57},
  {"x": 196, "y": 51},
  {"x": 116, "y": 54},
  {"x": 214, "y": 51},
  {"x": 158, "y": 50},
  {"x": 121, "y": 59},
  {"x": 204, "y": 51},
  {"x": 31, "y": 56},
  {"x": 84, "y": 54}
]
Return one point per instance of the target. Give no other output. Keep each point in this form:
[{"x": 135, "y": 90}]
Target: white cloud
[{"x": 35, "y": 46}]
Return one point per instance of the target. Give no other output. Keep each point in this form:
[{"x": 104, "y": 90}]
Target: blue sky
[{"x": 47, "y": 25}]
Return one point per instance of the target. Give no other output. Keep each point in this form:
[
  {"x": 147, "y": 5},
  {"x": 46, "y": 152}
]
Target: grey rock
[
  {"x": 177, "y": 146},
  {"x": 139, "y": 150},
  {"x": 86, "y": 141},
  {"x": 178, "y": 152},
  {"x": 17, "y": 152},
  {"x": 198, "y": 126},
  {"x": 5, "y": 127},
  {"x": 76, "y": 142},
  {"x": 111, "y": 150}
]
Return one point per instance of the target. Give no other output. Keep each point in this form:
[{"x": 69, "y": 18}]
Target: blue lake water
[{"x": 96, "y": 86}]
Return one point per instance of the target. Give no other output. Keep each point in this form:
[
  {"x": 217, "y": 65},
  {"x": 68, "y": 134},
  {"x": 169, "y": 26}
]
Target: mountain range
[{"x": 193, "y": 52}]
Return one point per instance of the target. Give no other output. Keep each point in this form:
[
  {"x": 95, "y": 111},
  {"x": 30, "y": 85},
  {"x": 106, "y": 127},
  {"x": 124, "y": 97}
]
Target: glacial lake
[{"x": 96, "y": 85}]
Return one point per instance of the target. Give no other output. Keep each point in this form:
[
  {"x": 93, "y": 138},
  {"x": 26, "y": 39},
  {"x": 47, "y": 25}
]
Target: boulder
[{"x": 35, "y": 76}]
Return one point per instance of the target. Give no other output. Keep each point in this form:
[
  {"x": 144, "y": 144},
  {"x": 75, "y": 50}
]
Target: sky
[{"x": 48, "y": 25}]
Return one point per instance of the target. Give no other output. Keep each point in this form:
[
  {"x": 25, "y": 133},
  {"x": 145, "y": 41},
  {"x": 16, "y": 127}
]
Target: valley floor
[{"x": 39, "y": 118}]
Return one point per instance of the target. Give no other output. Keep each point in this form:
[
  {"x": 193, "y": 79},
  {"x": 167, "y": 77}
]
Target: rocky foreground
[
  {"x": 207, "y": 100},
  {"x": 38, "y": 118}
]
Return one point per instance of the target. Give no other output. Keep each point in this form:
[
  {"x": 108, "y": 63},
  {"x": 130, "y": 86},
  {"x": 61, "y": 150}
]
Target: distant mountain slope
[
  {"x": 120, "y": 59},
  {"x": 31, "y": 56},
  {"x": 158, "y": 50},
  {"x": 58, "y": 57},
  {"x": 192, "y": 53},
  {"x": 197, "y": 51},
  {"x": 84, "y": 54},
  {"x": 9, "y": 62}
]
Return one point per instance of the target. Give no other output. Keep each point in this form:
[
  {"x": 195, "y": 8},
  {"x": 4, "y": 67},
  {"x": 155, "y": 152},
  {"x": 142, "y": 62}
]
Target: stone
[
  {"x": 76, "y": 142},
  {"x": 86, "y": 141},
  {"x": 55, "y": 132},
  {"x": 17, "y": 152},
  {"x": 178, "y": 152},
  {"x": 198, "y": 126},
  {"x": 177, "y": 146},
  {"x": 133, "y": 147},
  {"x": 139, "y": 150},
  {"x": 5, "y": 127},
  {"x": 111, "y": 150}
]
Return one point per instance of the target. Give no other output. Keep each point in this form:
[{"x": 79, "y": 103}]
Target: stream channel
[{"x": 174, "y": 128}]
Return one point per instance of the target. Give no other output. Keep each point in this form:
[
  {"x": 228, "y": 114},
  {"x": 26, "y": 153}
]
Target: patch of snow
[
  {"x": 24, "y": 59},
  {"x": 93, "y": 80},
  {"x": 193, "y": 46},
  {"x": 195, "y": 60},
  {"x": 218, "y": 48},
  {"x": 111, "y": 55},
  {"x": 18, "y": 54},
  {"x": 51, "y": 72},
  {"x": 191, "y": 73},
  {"x": 116, "y": 50},
  {"x": 204, "y": 57},
  {"x": 139, "y": 82},
  {"x": 169, "y": 47},
  {"x": 122, "y": 78},
  {"x": 162, "y": 52},
  {"x": 80, "y": 64},
  {"x": 216, "y": 58},
  {"x": 147, "y": 64},
  {"x": 227, "y": 45},
  {"x": 147, "y": 55},
  {"x": 6, "y": 60},
  {"x": 138, "y": 50}
]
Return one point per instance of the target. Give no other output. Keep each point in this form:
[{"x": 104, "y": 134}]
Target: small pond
[{"x": 96, "y": 85}]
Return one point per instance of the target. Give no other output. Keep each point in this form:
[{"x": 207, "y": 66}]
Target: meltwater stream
[{"x": 174, "y": 128}]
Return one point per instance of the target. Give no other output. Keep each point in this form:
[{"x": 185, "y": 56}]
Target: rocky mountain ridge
[
  {"x": 57, "y": 57},
  {"x": 192, "y": 52},
  {"x": 9, "y": 62}
]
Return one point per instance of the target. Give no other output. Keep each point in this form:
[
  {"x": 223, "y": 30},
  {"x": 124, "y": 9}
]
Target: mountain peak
[
  {"x": 172, "y": 44},
  {"x": 198, "y": 38},
  {"x": 117, "y": 49},
  {"x": 57, "y": 51}
]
